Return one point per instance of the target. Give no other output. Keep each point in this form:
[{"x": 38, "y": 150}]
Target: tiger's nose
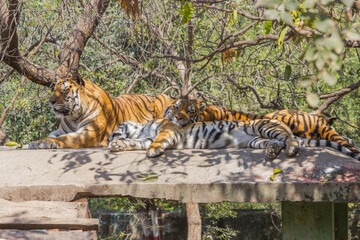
[
  {"x": 52, "y": 102},
  {"x": 178, "y": 117}
]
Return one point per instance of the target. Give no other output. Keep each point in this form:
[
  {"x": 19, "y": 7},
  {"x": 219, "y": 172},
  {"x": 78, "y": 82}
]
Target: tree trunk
[
  {"x": 3, "y": 137},
  {"x": 194, "y": 221}
]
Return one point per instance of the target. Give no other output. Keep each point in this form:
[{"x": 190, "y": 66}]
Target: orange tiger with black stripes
[
  {"x": 189, "y": 124},
  {"x": 89, "y": 115},
  {"x": 303, "y": 125}
]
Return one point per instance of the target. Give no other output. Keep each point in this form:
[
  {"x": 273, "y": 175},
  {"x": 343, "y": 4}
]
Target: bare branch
[
  {"x": 10, "y": 46},
  {"x": 12, "y": 101},
  {"x": 186, "y": 80},
  {"x": 132, "y": 85},
  {"x": 335, "y": 96},
  {"x": 196, "y": 84},
  {"x": 76, "y": 41},
  {"x": 273, "y": 105}
]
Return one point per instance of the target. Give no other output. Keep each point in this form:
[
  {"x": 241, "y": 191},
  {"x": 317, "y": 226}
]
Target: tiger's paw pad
[
  {"x": 117, "y": 145},
  {"x": 154, "y": 152},
  {"x": 44, "y": 144},
  {"x": 273, "y": 149}
]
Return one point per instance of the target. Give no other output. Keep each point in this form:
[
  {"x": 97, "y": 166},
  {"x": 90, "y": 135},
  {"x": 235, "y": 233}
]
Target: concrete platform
[{"x": 236, "y": 175}]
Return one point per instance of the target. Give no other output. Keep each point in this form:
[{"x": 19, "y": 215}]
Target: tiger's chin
[
  {"x": 60, "y": 114},
  {"x": 179, "y": 123}
]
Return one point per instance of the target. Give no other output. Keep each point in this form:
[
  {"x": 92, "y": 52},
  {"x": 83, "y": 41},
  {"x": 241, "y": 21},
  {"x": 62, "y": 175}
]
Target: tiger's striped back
[
  {"x": 302, "y": 124},
  {"x": 216, "y": 113}
]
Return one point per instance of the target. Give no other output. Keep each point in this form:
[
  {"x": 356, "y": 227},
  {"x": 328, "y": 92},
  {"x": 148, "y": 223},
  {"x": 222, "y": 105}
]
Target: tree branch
[
  {"x": 10, "y": 53},
  {"x": 187, "y": 77},
  {"x": 196, "y": 84},
  {"x": 335, "y": 96},
  {"x": 273, "y": 105},
  {"x": 3, "y": 115},
  {"x": 76, "y": 41}
]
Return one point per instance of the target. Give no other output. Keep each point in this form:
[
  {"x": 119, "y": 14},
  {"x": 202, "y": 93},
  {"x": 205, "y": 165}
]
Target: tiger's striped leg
[
  {"x": 129, "y": 144},
  {"x": 167, "y": 138},
  {"x": 274, "y": 129},
  {"x": 272, "y": 146}
]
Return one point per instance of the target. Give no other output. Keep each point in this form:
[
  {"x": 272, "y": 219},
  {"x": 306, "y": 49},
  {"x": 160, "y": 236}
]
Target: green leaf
[
  {"x": 235, "y": 16},
  {"x": 328, "y": 78},
  {"x": 286, "y": 17},
  {"x": 291, "y": 5},
  {"x": 308, "y": 3},
  {"x": 10, "y": 144},
  {"x": 256, "y": 24},
  {"x": 272, "y": 177},
  {"x": 287, "y": 73},
  {"x": 231, "y": 19},
  {"x": 151, "y": 179},
  {"x": 312, "y": 99},
  {"x": 271, "y": 3},
  {"x": 282, "y": 37},
  {"x": 187, "y": 10},
  {"x": 305, "y": 83},
  {"x": 348, "y": 3},
  {"x": 311, "y": 54},
  {"x": 324, "y": 26},
  {"x": 268, "y": 25},
  {"x": 146, "y": 175},
  {"x": 271, "y": 14},
  {"x": 354, "y": 36},
  {"x": 320, "y": 62}
]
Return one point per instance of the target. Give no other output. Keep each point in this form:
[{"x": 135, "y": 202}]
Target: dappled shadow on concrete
[
  {"x": 238, "y": 175},
  {"x": 231, "y": 174}
]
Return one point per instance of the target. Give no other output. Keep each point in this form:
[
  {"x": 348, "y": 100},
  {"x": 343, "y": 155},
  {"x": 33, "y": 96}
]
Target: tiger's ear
[
  {"x": 78, "y": 79},
  {"x": 202, "y": 105}
]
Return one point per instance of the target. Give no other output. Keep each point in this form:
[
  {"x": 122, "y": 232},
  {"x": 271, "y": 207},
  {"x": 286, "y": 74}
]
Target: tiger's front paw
[
  {"x": 154, "y": 151},
  {"x": 274, "y": 148},
  {"x": 45, "y": 144},
  {"x": 292, "y": 148},
  {"x": 117, "y": 145}
]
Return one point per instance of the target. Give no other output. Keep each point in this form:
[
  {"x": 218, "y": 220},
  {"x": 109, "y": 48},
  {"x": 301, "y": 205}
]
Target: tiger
[
  {"x": 179, "y": 109},
  {"x": 89, "y": 115},
  {"x": 162, "y": 133},
  {"x": 301, "y": 123}
]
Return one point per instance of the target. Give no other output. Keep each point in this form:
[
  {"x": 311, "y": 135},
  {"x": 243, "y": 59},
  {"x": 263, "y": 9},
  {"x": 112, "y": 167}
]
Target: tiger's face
[
  {"x": 184, "y": 112},
  {"x": 66, "y": 100},
  {"x": 126, "y": 130}
]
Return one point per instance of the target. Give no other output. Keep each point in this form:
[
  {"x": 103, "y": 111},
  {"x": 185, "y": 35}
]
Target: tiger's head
[
  {"x": 128, "y": 129},
  {"x": 66, "y": 100},
  {"x": 184, "y": 112}
]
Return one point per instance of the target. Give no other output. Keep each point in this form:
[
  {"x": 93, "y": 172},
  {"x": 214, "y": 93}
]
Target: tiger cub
[
  {"x": 180, "y": 110},
  {"x": 186, "y": 133}
]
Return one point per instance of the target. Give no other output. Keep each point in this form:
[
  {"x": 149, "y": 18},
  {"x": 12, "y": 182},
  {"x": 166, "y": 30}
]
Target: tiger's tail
[{"x": 303, "y": 142}]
